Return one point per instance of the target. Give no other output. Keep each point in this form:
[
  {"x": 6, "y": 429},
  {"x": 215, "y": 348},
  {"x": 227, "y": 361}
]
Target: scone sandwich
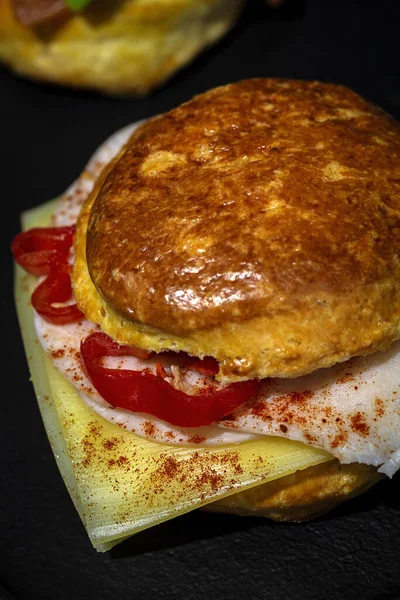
[
  {"x": 127, "y": 47},
  {"x": 218, "y": 304}
]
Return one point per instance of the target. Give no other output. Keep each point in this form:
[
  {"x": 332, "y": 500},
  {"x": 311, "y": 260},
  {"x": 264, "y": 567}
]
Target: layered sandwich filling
[{"x": 352, "y": 408}]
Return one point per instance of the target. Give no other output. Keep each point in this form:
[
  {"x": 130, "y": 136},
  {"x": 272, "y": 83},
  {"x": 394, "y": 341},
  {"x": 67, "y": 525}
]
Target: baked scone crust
[
  {"x": 118, "y": 48},
  {"x": 303, "y": 495},
  {"x": 258, "y": 223}
]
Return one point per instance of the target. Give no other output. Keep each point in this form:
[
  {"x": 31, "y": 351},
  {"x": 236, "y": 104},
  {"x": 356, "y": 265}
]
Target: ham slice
[{"x": 36, "y": 12}]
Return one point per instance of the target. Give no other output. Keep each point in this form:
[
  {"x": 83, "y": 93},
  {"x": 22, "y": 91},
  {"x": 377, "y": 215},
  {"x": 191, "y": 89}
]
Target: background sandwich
[{"x": 117, "y": 48}]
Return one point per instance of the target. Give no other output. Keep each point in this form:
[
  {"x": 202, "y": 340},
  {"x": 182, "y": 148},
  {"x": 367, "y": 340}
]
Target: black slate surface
[{"x": 47, "y": 134}]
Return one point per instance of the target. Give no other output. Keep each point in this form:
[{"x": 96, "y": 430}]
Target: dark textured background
[{"x": 47, "y": 134}]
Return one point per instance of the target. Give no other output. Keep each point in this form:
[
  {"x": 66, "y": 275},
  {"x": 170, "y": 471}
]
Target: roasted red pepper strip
[
  {"x": 38, "y": 249},
  {"x": 56, "y": 288},
  {"x": 44, "y": 251},
  {"x": 146, "y": 393}
]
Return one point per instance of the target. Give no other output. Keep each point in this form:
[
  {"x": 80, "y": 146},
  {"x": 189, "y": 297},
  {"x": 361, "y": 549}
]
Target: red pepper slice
[
  {"x": 44, "y": 251},
  {"x": 146, "y": 393},
  {"x": 56, "y": 288},
  {"x": 40, "y": 248}
]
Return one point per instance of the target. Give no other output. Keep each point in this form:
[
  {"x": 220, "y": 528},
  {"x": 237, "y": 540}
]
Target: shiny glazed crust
[
  {"x": 258, "y": 223},
  {"x": 115, "y": 47}
]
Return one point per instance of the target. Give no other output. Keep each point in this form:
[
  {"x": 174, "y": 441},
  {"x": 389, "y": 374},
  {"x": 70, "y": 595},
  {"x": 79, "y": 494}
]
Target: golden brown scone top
[{"x": 269, "y": 204}]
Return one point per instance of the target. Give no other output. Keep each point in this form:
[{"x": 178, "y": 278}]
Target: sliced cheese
[{"x": 121, "y": 483}]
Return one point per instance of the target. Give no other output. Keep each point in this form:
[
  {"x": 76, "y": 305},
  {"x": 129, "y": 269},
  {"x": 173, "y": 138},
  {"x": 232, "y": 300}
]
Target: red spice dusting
[
  {"x": 88, "y": 443},
  {"x": 233, "y": 425},
  {"x": 206, "y": 387},
  {"x": 149, "y": 429},
  {"x": 95, "y": 429},
  {"x": 299, "y": 396},
  {"x": 238, "y": 469},
  {"x": 280, "y": 406},
  {"x": 346, "y": 378},
  {"x": 110, "y": 444},
  {"x": 211, "y": 478},
  {"x": 339, "y": 439},
  {"x": 200, "y": 473},
  {"x": 379, "y": 407},
  {"x": 170, "y": 467},
  {"x": 57, "y": 354},
  {"x": 196, "y": 439},
  {"x": 359, "y": 425},
  {"x": 121, "y": 461},
  {"x": 232, "y": 459},
  {"x": 259, "y": 410},
  {"x": 89, "y": 452}
]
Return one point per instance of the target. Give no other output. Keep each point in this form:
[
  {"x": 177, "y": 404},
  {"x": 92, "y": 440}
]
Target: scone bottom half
[{"x": 257, "y": 223}]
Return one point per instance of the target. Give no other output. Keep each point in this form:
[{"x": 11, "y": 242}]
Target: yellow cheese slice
[{"x": 121, "y": 483}]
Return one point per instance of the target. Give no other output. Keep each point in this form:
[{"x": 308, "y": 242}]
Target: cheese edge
[{"x": 46, "y": 385}]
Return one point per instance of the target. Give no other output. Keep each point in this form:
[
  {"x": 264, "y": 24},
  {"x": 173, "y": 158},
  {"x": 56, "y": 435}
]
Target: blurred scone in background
[{"x": 118, "y": 47}]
